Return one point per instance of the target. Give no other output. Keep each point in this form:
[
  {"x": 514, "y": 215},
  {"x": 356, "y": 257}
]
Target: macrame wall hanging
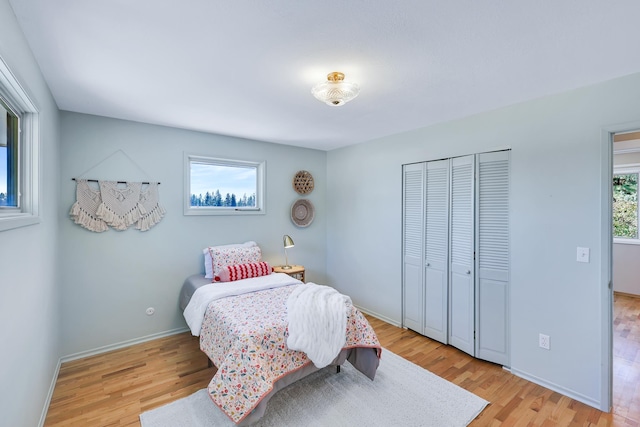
[{"x": 116, "y": 204}]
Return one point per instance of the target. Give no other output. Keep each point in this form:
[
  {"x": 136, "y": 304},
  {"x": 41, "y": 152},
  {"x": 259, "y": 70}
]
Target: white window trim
[
  {"x": 29, "y": 161},
  {"x": 260, "y": 209},
  {"x": 620, "y": 170}
]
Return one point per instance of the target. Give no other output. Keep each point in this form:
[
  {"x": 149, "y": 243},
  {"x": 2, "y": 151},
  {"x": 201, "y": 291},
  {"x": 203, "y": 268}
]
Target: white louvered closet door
[
  {"x": 461, "y": 241},
  {"x": 436, "y": 250},
  {"x": 413, "y": 246},
  {"x": 492, "y": 263}
]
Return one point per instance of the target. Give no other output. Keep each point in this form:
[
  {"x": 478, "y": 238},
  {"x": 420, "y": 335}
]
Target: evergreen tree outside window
[{"x": 216, "y": 186}]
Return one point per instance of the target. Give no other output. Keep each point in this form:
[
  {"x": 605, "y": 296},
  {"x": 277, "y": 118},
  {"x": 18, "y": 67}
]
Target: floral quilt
[{"x": 245, "y": 337}]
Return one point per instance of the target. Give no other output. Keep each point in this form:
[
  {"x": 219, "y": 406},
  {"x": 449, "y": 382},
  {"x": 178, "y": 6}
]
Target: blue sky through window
[
  {"x": 228, "y": 179},
  {"x": 3, "y": 170}
]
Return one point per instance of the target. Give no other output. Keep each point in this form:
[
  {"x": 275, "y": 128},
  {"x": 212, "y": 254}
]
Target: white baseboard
[
  {"x": 122, "y": 344},
  {"x": 562, "y": 390},
  {"x": 47, "y": 401},
  {"x": 379, "y": 316}
]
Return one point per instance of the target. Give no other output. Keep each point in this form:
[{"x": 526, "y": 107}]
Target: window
[
  {"x": 625, "y": 204},
  {"x": 19, "y": 154},
  {"x": 215, "y": 186},
  {"x": 9, "y": 131}
]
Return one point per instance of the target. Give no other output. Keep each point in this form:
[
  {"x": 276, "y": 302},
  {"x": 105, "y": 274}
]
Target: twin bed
[{"x": 244, "y": 327}]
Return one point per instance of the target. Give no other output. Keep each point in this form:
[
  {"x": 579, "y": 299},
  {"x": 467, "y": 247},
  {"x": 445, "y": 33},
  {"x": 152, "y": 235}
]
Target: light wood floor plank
[{"x": 112, "y": 389}]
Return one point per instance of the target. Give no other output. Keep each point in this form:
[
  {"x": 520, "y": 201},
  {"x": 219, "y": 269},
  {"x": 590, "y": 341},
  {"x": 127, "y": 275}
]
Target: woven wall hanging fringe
[{"x": 116, "y": 206}]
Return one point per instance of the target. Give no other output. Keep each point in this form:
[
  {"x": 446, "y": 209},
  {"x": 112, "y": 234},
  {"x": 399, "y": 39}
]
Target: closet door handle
[
  {"x": 468, "y": 271},
  {"x": 428, "y": 264}
]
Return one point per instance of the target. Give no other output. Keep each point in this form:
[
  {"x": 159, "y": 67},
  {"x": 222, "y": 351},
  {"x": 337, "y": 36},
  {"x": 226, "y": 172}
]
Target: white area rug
[{"x": 403, "y": 394}]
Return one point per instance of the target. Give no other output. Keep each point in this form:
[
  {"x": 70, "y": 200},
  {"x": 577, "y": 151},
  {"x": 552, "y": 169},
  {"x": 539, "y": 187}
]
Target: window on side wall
[
  {"x": 625, "y": 204},
  {"x": 9, "y": 155},
  {"x": 217, "y": 186},
  {"x": 18, "y": 154}
]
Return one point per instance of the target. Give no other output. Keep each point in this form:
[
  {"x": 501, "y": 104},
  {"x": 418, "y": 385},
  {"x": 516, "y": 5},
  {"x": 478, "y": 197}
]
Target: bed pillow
[
  {"x": 209, "y": 268},
  {"x": 244, "y": 271},
  {"x": 234, "y": 256}
]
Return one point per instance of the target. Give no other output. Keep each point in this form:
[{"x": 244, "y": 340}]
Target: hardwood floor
[
  {"x": 113, "y": 388},
  {"x": 626, "y": 357}
]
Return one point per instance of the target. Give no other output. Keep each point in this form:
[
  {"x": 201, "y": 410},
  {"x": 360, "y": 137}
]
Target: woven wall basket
[
  {"x": 302, "y": 212},
  {"x": 303, "y": 182}
]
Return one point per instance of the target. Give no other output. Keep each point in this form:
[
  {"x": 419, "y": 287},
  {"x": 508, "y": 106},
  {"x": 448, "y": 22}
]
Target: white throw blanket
[
  {"x": 317, "y": 322},
  {"x": 197, "y": 307}
]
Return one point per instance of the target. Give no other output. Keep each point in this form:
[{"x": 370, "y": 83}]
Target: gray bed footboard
[{"x": 363, "y": 359}]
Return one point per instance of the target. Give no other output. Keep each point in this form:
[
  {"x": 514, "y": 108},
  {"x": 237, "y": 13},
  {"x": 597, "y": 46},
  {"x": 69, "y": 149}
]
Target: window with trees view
[
  {"x": 19, "y": 154},
  {"x": 625, "y": 204},
  {"x": 217, "y": 186}
]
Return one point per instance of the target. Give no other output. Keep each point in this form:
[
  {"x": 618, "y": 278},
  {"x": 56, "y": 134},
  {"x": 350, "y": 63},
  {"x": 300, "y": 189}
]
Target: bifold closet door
[
  {"x": 461, "y": 241},
  {"x": 492, "y": 262},
  {"x": 456, "y": 253},
  {"x": 413, "y": 246},
  {"x": 436, "y": 250}
]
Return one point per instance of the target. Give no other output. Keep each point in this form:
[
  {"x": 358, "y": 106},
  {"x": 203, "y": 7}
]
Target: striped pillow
[
  {"x": 234, "y": 272},
  {"x": 218, "y": 257}
]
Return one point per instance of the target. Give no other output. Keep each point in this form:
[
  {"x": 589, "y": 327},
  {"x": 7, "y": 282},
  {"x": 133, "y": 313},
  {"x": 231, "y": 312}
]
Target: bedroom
[{"x": 87, "y": 292}]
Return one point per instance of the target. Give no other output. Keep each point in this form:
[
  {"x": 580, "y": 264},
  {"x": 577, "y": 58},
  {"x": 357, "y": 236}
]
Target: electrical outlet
[{"x": 544, "y": 341}]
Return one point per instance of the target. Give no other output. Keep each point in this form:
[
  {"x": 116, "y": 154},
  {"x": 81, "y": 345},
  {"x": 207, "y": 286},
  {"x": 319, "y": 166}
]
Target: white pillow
[{"x": 209, "y": 268}]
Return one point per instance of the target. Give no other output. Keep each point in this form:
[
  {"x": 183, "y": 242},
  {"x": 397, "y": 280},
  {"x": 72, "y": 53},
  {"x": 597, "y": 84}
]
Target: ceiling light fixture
[{"x": 335, "y": 91}]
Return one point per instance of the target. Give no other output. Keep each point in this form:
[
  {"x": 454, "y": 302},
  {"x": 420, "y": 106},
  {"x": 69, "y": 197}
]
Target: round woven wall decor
[{"x": 303, "y": 182}]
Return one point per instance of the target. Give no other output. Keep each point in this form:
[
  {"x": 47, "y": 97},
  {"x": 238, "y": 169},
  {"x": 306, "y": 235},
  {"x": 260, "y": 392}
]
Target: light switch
[{"x": 583, "y": 254}]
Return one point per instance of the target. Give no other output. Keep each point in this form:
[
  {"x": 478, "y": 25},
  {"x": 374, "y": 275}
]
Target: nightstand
[{"x": 296, "y": 271}]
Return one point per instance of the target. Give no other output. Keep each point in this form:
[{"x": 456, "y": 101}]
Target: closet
[{"x": 456, "y": 252}]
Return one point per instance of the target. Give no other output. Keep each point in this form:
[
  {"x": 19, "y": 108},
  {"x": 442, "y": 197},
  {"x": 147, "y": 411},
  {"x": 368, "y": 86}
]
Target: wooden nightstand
[{"x": 296, "y": 271}]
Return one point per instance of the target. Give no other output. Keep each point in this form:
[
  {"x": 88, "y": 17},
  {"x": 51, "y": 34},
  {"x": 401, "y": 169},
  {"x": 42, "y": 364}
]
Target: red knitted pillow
[{"x": 243, "y": 271}]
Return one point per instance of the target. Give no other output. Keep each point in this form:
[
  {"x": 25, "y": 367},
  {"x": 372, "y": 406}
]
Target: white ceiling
[{"x": 246, "y": 67}]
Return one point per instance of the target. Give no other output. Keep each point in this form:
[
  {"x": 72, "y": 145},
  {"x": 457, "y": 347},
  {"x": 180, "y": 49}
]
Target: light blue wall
[
  {"x": 29, "y": 293},
  {"x": 558, "y": 168},
  {"x": 109, "y": 279}
]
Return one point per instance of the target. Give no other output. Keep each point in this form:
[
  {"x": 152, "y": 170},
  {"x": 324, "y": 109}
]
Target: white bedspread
[
  {"x": 195, "y": 310},
  {"x": 317, "y": 318}
]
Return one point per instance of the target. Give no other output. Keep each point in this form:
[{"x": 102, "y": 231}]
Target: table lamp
[{"x": 288, "y": 243}]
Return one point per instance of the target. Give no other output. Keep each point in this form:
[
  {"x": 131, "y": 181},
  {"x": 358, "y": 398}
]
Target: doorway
[{"x": 625, "y": 253}]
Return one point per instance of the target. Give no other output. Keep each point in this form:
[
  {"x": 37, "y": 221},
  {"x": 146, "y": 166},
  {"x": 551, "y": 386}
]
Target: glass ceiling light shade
[
  {"x": 288, "y": 243},
  {"x": 335, "y": 91}
]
